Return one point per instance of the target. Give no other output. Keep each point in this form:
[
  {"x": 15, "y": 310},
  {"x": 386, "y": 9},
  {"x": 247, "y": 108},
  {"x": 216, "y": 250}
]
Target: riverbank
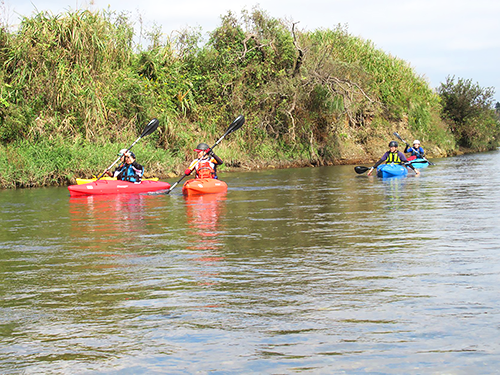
[{"x": 59, "y": 162}]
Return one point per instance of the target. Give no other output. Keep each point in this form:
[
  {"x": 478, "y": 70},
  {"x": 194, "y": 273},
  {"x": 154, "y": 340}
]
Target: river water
[{"x": 315, "y": 270}]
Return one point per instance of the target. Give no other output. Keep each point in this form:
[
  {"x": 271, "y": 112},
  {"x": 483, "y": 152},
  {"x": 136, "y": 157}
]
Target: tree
[{"x": 469, "y": 110}]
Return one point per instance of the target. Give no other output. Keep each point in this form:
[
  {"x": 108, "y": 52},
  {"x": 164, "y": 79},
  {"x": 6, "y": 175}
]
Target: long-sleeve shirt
[{"x": 418, "y": 152}]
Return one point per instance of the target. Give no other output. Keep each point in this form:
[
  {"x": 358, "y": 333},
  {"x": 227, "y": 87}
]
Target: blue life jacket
[
  {"x": 131, "y": 173},
  {"x": 417, "y": 152}
]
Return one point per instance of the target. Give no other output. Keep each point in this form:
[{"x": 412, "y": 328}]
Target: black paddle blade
[
  {"x": 236, "y": 124},
  {"x": 397, "y": 135},
  {"x": 151, "y": 127},
  {"x": 360, "y": 169}
]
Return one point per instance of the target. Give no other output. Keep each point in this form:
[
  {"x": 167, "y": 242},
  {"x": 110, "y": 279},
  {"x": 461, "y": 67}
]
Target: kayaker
[
  {"x": 206, "y": 164},
  {"x": 416, "y": 151},
  {"x": 118, "y": 169},
  {"x": 131, "y": 170},
  {"x": 393, "y": 156}
]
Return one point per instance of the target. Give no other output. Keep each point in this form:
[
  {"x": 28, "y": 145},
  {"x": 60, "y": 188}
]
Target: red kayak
[
  {"x": 117, "y": 187},
  {"x": 204, "y": 186}
]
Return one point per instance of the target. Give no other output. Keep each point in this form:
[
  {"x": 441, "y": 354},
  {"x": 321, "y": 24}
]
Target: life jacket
[
  {"x": 131, "y": 173},
  {"x": 417, "y": 152},
  {"x": 393, "y": 157},
  {"x": 205, "y": 169}
]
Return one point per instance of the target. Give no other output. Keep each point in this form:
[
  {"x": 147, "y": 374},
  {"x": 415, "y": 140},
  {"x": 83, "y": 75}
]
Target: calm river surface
[{"x": 315, "y": 270}]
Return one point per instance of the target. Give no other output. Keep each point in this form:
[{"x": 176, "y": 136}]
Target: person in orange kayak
[
  {"x": 206, "y": 164},
  {"x": 393, "y": 156}
]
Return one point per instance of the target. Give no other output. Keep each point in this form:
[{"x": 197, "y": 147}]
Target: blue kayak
[
  {"x": 419, "y": 163},
  {"x": 391, "y": 170}
]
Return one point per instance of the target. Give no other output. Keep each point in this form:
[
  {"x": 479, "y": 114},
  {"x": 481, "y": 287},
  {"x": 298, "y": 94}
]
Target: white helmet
[
  {"x": 416, "y": 142},
  {"x": 122, "y": 152}
]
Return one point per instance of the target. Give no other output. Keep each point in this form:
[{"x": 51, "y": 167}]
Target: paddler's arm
[
  {"x": 382, "y": 159},
  {"x": 407, "y": 164},
  {"x": 217, "y": 159}
]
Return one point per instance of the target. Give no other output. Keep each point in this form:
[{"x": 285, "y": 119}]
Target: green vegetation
[
  {"x": 74, "y": 89},
  {"x": 469, "y": 110}
]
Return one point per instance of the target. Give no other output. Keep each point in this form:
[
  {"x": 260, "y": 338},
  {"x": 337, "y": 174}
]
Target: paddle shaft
[
  {"x": 362, "y": 169},
  {"x": 151, "y": 127}
]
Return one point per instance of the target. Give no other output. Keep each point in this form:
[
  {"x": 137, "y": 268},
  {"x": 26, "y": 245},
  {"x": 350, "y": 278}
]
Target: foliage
[
  {"x": 58, "y": 162},
  {"x": 79, "y": 79},
  {"x": 469, "y": 109},
  {"x": 63, "y": 75}
]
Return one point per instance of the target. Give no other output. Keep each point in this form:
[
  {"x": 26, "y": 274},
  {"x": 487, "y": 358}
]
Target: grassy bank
[
  {"x": 75, "y": 89},
  {"x": 59, "y": 162}
]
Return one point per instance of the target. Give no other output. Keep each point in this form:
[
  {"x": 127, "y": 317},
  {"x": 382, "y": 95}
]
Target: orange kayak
[{"x": 204, "y": 186}]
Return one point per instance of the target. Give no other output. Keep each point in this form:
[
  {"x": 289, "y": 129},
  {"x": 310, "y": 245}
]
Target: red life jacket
[{"x": 205, "y": 169}]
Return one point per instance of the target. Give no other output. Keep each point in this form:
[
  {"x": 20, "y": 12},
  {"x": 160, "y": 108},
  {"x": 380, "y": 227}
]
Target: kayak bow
[
  {"x": 420, "y": 163},
  {"x": 391, "y": 170},
  {"x": 204, "y": 186}
]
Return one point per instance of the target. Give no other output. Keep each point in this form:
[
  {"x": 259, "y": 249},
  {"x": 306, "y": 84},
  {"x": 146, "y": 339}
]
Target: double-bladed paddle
[
  {"x": 235, "y": 125},
  {"x": 151, "y": 127},
  {"x": 361, "y": 169},
  {"x": 416, "y": 151}
]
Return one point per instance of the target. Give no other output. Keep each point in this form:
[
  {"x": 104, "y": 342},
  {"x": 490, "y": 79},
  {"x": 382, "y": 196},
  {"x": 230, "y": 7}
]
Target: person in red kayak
[
  {"x": 393, "y": 156},
  {"x": 206, "y": 164},
  {"x": 118, "y": 169},
  {"x": 129, "y": 170},
  {"x": 416, "y": 151}
]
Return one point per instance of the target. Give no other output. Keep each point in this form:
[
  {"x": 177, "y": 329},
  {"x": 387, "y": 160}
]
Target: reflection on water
[
  {"x": 203, "y": 214},
  {"x": 314, "y": 270},
  {"x": 103, "y": 213}
]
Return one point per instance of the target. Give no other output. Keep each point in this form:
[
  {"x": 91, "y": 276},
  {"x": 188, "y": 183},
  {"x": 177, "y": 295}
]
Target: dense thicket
[
  {"x": 470, "y": 113},
  {"x": 78, "y": 82}
]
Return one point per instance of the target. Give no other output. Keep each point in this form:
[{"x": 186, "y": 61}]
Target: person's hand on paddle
[{"x": 187, "y": 172}]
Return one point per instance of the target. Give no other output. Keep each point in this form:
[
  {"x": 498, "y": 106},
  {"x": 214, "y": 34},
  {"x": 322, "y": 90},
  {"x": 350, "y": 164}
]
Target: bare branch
[{"x": 298, "y": 61}]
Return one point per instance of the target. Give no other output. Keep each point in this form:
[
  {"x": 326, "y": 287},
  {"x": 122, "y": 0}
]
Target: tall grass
[
  {"x": 75, "y": 86},
  {"x": 57, "y": 162},
  {"x": 67, "y": 70}
]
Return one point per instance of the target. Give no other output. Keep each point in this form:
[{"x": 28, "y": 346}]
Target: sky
[{"x": 438, "y": 38}]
